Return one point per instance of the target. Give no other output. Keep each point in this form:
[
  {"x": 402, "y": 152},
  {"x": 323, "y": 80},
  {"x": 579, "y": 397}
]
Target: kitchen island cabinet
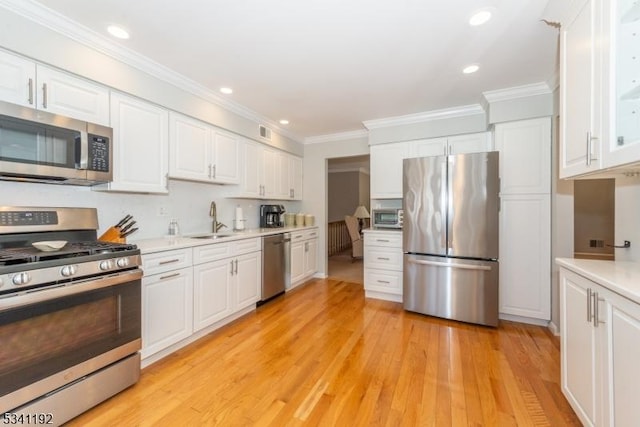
[{"x": 600, "y": 333}]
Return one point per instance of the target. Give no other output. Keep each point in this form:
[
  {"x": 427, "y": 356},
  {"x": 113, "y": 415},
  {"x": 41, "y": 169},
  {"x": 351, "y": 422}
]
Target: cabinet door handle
[
  {"x": 214, "y": 171},
  {"x": 383, "y": 281},
  {"x": 236, "y": 266},
  {"x": 169, "y": 276},
  {"x": 589, "y": 305},
  {"x": 232, "y": 267},
  {"x": 209, "y": 170},
  {"x": 170, "y": 261},
  {"x": 44, "y": 95},
  {"x": 596, "y": 310},
  {"x": 30, "y": 92}
]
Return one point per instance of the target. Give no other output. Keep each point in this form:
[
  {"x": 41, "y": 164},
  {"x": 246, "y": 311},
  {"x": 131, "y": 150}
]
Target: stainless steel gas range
[{"x": 70, "y": 313}]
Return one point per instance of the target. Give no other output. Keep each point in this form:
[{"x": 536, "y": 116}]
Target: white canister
[
  {"x": 309, "y": 220},
  {"x": 289, "y": 219},
  {"x": 299, "y": 220}
]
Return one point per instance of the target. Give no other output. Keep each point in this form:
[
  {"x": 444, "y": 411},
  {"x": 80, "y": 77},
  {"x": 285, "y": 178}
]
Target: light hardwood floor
[{"x": 325, "y": 355}]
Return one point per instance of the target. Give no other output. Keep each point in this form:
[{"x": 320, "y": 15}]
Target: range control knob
[
  {"x": 122, "y": 262},
  {"x": 69, "y": 270},
  {"x": 21, "y": 279},
  {"x": 106, "y": 265}
]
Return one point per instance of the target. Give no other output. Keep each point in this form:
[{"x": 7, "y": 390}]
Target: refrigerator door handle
[{"x": 444, "y": 264}]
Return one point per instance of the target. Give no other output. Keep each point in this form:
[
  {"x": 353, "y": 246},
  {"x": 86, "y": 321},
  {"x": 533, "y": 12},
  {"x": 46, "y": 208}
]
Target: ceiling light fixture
[
  {"x": 479, "y": 18},
  {"x": 118, "y": 32},
  {"x": 470, "y": 69},
  {"x": 226, "y": 90},
  {"x": 284, "y": 122}
]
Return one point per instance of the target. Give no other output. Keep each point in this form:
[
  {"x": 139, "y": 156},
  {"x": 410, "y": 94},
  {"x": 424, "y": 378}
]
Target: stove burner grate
[{"x": 25, "y": 255}]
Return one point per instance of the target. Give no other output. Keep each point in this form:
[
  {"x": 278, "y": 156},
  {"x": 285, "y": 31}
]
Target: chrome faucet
[{"x": 213, "y": 213}]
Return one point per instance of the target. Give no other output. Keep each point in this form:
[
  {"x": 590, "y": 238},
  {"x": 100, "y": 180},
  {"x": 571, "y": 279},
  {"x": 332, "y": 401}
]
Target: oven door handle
[{"x": 66, "y": 289}]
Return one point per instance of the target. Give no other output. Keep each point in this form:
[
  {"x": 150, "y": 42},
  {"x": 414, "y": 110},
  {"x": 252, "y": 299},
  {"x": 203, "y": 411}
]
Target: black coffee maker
[{"x": 271, "y": 216}]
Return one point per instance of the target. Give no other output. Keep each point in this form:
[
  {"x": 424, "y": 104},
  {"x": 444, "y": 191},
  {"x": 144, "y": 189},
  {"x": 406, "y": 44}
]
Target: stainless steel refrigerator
[{"x": 450, "y": 236}]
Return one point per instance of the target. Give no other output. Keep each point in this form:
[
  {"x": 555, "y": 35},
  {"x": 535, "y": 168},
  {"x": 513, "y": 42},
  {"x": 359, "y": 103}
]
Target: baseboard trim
[
  {"x": 554, "y": 329},
  {"x": 522, "y": 319}
]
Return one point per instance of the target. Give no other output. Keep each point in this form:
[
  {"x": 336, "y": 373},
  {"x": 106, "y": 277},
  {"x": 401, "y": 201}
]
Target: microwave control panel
[{"x": 98, "y": 153}]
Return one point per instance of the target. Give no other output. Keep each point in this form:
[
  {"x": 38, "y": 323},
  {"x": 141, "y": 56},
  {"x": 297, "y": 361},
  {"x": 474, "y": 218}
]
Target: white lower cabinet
[
  {"x": 304, "y": 256},
  {"x": 224, "y": 286},
  {"x": 383, "y": 267},
  {"x": 600, "y": 350},
  {"x": 211, "y": 287},
  {"x": 167, "y": 301},
  {"x": 189, "y": 292}
]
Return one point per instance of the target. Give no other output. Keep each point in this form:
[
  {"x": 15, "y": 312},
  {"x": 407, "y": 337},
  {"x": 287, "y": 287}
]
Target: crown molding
[
  {"x": 446, "y": 113},
  {"x": 42, "y": 15},
  {"x": 342, "y": 136},
  {"x": 534, "y": 89}
]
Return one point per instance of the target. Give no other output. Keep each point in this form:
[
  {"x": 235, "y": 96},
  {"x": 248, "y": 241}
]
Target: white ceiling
[{"x": 329, "y": 65}]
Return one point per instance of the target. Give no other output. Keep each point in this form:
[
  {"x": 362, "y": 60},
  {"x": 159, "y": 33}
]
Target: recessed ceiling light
[
  {"x": 226, "y": 90},
  {"x": 479, "y": 18},
  {"x": 470, "y": 69},
  {"x": 284, "y": 122},
  {"x": 118, "y": 32}
]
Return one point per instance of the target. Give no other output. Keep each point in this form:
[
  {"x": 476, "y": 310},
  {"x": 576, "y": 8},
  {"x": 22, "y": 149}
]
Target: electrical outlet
[{"x": 163, "y": 211}]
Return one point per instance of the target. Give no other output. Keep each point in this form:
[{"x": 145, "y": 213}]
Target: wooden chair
[{"x": 357, "y": 245}]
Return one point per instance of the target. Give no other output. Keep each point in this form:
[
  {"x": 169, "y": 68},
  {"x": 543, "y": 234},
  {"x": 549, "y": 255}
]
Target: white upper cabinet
[
  {"x": 386, "y": 170},
  {"x": 470, "y": 143},
  {"x": 459, "y": 144},
  {"x": 269, "y": 174},
  {"x": 17, "y": 80},
  {"x": 428, "y": 147},
  {"x": 140, "y": 147},
  {"x": 386, "y": 159},
  {"x": 622, "y": 70},
  {"x": 25, "y": 83},
  {"x": 600, "y": 88},
  {"x": 525, "y": 156},
  {"x": 580, "y": 102},
  {"x": 295, "y": 177},
  {"x": 200, "y": 152},
  {"x": 226, "y": 158}
]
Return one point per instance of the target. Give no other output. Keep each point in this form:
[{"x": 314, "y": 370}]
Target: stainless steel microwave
[
  {"x": 387, "y": 218},
  {"x": 38, "y": 146}
]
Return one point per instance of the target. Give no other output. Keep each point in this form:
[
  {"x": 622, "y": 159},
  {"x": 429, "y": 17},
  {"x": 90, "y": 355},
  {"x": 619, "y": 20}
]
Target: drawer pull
[
  {"x": 170, "y": 261},
  {"x": 382, "y": 240},
  {"x": 383, "y": 259},
  {"x": 169, "y": 276},
  {"x": 383, "y": 281}
]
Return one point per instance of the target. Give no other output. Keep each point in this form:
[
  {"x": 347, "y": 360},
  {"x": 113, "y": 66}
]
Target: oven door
[{"x": 57, "y": 335}]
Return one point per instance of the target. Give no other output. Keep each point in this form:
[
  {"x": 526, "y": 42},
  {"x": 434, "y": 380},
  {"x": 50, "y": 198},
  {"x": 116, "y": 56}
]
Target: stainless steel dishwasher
[{"x": 275, "y": 265}]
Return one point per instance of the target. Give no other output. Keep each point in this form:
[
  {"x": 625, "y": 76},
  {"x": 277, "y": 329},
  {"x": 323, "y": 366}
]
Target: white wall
[
  {"x": 188, "y": 202},
  {"x": 315, "y": 183}
]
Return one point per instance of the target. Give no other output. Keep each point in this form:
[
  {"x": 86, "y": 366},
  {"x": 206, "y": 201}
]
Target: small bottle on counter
[{"x": 174, "y": 229}]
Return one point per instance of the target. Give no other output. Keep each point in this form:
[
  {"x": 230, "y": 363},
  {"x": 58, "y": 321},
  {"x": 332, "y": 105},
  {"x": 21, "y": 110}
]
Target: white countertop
[
  {"x": 168, "y": 243},
  {"x": 621, "y": 277}
]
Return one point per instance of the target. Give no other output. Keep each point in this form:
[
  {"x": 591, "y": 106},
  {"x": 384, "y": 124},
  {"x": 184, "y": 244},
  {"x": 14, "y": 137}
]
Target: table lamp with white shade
[{"x": 361, "y": 213}]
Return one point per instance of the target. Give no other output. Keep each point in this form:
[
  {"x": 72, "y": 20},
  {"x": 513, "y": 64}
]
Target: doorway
[
  {"x": 347, "y": 192},
  {"x": 594, "y": 219}
]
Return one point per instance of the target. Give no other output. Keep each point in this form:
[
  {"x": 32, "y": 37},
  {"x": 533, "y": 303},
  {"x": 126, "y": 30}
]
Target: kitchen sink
[{"x": 212, "y": 236}]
